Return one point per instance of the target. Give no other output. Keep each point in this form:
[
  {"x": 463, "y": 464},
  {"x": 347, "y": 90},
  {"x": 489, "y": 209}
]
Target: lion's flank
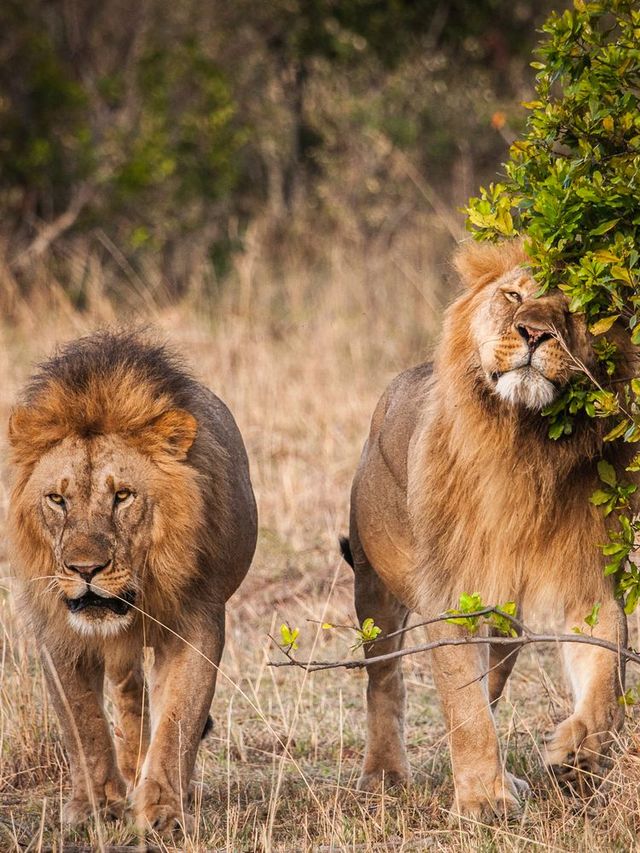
[{"x": 106, "y": 383}]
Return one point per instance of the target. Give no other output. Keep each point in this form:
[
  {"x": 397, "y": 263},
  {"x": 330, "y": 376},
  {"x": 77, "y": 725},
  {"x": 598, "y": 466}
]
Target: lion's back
[{"x": 219, "y": 454}]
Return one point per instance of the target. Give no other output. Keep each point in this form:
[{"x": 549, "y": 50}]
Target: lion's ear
[
  {"x": 480, "y": 263},
  {"x": 31, "y": 433},
  {"x": 173, "y": 432}
]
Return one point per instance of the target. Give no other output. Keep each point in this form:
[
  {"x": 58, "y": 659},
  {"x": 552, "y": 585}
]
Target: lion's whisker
[{"x": 489, "y": 341}]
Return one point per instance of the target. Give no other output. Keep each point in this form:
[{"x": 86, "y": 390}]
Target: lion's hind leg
[
  {"x": 502, "y": 660},
  {"x": 385, "y": 760}
]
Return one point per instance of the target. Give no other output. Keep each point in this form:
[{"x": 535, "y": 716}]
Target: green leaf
[
  {"x": 289, "y": 636},
  {"x": 369, "y": 630},
  {"x": 556, "y": 430},
  {"x": 634, "y": 465},
  {"x": 603, "y": 324},
  {"x": 604, "y": 226},
  {"x": 606, "y": 472},
  {"x": 500, "y": 622},
  {"x": 599, "y": 497},
  {"x": 613, "y": 548},
  {"x": 617, "y": 431},
  {"x": 631, "y": 601},
  {"x": 467, "y": 604},
  {"x": 629, "y": 697},
  {"x": 592, "y": 618}
]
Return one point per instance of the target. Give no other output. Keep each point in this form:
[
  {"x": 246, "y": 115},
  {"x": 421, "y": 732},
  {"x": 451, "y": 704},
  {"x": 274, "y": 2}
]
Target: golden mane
[
  {"x": 477, "y": 449},
  {"x": 479, "y": 263},
  {"x": 107, "y": 383}
]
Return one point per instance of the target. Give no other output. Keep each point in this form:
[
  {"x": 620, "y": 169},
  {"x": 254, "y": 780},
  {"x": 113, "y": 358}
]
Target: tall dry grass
[{"x": 300, "y": 357}]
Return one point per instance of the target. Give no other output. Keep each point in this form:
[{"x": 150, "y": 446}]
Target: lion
[
  {"x": 460, "y": 489},
  {"x": 132, "y": 521}
]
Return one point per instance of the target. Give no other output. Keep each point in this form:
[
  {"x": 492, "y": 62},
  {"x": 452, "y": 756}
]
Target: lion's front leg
[
  {"x": 126, "y": 679},
  {"x": 576, "y": 750},
  {"x": 182, "y": 687},
  {"x": 482, "y": 787},
  {"x": 75, "y": 687}
]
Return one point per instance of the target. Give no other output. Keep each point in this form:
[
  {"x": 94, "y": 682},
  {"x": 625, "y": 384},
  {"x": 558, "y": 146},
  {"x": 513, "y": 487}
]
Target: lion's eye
[
  {"x": 121, "y": 495},
  {"x": 513, "y": 296},
  {"x": 56, "y": 499}
]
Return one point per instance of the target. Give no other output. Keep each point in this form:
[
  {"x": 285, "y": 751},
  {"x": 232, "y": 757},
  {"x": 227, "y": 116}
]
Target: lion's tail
[
  {"x": 208, "y": 726},
  {"x": 345, "y": 550}
]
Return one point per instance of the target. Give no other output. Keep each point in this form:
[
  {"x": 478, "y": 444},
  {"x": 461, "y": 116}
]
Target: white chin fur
[
  {"x": 525, "y": 386},
  {"x": 99, "y": 627}
]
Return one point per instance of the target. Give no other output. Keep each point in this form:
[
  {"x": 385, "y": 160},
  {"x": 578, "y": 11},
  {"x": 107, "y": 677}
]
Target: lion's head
[
  {"x": 104, "y": 498},
  {"x": 527, "y": 345}
]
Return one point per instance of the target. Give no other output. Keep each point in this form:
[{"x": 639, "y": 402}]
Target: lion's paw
[
  {"x": 575, "y": 757},
  {"x": 165, "y": 820},
  {"x": 487, "y": 803},
  {"x": 76, "y": 812},
  {"x": 375, "y": 780},
  {"x": 79, "y": 810},
  {"x": 159, "y": 810}
]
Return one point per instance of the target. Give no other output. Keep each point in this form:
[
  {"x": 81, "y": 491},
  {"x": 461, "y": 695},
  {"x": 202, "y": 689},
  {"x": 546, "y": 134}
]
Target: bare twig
[
  {"x": 443, "y": 617},
  {"x": 527, "y": 638}
]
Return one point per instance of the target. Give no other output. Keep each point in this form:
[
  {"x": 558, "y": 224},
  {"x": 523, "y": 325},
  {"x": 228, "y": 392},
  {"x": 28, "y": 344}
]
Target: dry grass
[{"x": 301, "y": 362}]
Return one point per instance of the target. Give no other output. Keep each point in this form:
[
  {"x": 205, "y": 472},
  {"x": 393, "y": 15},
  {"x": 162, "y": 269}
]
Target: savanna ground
[{"x": 301, "y": 359}]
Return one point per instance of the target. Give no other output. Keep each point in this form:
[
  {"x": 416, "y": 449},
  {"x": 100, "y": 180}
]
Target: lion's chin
[
  {"x": 526, "y": 386},
  {"x": 106, "y": 625}
]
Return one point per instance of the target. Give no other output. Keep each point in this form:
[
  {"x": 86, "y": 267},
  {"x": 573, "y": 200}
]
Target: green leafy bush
[{"x": 572, "y": 189}]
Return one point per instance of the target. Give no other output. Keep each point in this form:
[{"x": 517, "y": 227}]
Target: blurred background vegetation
[{"x": 154, "y": 145}]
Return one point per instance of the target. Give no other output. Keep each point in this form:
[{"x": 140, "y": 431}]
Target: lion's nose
[
  {"x": 532, "y": 335},
  {"x": 87, "y": 571}
]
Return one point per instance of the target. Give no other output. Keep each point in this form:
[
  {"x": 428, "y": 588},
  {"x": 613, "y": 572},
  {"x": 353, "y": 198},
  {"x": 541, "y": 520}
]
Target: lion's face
[
  {"x": 517, "y": 336},
  {"x": 94, "y": 501}
]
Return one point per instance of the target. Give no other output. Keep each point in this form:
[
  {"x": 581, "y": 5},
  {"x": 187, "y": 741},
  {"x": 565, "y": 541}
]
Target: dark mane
[
  {"x": 107, "y": 382},
  {"x": 98, "y": 357}
]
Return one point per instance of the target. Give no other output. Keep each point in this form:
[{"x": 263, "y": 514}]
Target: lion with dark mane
[
  {"x": 132, "y": 522},
  {"x": 459, "y": 489}
]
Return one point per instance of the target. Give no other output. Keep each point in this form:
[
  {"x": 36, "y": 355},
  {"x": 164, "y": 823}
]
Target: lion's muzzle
[
  {"x": 89, "y": 570},
  {"x": 120, "y": 606},
  {"x": 532, "y": 335}
]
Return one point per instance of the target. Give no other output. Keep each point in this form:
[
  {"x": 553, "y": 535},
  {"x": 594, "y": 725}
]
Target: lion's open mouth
[{"x": 120, "y": 606}]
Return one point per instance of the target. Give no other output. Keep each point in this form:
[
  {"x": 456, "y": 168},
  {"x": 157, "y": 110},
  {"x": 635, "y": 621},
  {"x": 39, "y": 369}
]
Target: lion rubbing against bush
[
  {"x": 131, "y": 510},
  {"x": 459, "y": 489}
]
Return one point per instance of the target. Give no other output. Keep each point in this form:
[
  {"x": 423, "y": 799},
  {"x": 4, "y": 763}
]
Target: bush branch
[{"x": 527, "y": 637}]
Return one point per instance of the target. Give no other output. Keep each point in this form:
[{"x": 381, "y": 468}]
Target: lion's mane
[
  {"x": 474, "y": 453},
  {"x": 123, "y": 383}
]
